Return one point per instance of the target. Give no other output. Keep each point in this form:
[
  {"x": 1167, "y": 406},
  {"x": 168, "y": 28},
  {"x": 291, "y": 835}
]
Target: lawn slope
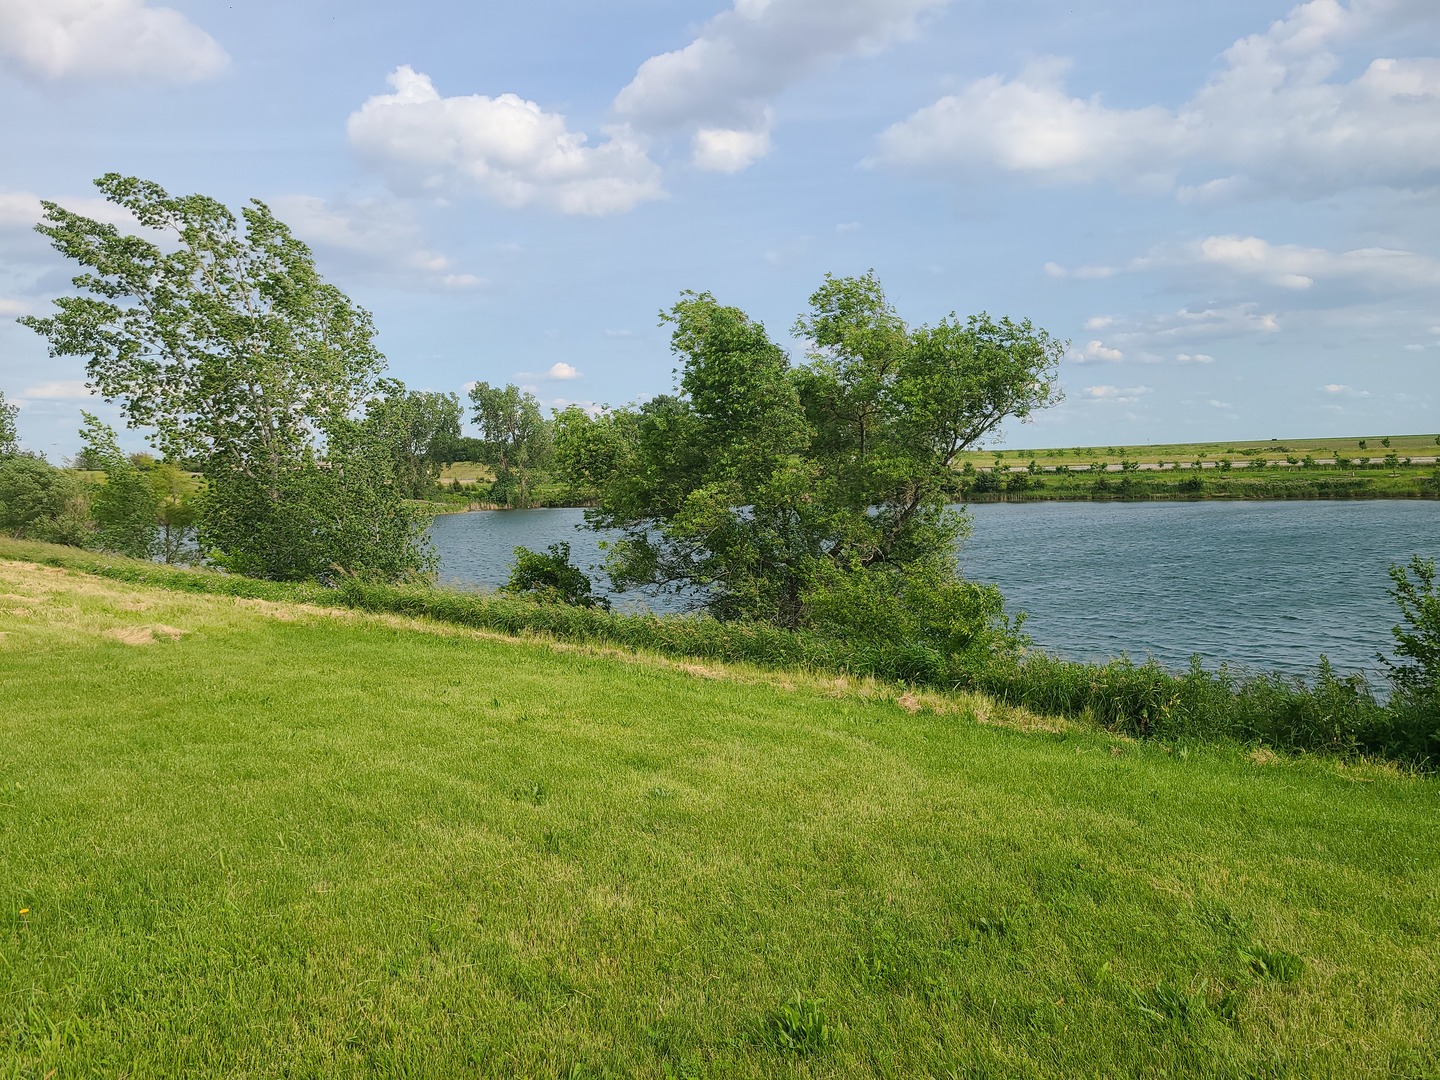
[{"x": 259, "y": 839}]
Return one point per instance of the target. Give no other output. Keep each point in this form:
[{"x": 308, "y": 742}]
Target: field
[
  {"x": 249, "y": 838},
  {"x": 1415, "y": 446}
]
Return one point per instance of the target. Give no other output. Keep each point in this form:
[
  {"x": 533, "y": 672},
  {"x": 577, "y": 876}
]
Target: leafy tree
[
  {"x": 40, "y": 502},
  {"x": 419, "y": 428},
  {"x": 125, "y": 507},
  {"x": 1417, "y": 638},
  {"x": 552, "y": 577},
  {"x": 9, "y": 440},
  {"x": 812, "y": 495},
  {"x": 515, "y": 438},
  {"x": 228, "y": 346}
]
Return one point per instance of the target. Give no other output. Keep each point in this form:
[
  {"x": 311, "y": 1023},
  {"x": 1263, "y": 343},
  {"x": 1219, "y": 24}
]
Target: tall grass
[{"x": 1330, "y": 713}]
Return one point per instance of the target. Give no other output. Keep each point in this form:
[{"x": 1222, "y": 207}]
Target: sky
[{"x": 1231, "y": 210}]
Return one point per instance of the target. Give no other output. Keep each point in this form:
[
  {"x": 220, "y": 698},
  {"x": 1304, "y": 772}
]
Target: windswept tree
[
  {"x": 227, "y": 346},
  {"x": 813, "y": 495},
  {"x": 515, "y": 438}
]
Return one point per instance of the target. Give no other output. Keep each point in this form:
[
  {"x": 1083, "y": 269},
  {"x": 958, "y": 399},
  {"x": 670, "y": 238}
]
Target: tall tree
[
  {"x": 229, "y": 347},
  {"x": 515, "y": 438},
  {"x": 812, "y": 495}
]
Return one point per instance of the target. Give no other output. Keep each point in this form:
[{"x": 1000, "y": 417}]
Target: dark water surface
[{"x": 1267, "y": 585}]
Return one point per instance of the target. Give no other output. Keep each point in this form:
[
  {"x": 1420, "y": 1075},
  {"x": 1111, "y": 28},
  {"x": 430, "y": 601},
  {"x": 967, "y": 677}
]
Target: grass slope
[{"x": 255, "y": 839}]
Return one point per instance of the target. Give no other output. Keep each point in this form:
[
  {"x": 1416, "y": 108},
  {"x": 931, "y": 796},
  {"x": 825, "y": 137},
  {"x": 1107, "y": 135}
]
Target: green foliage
[
  {"x": 126, "y": 507},
  {"x": 229, "y": 346},
  {"x": 314, "y": 520},
  {"x": 1415, "y": 670},
  {"x": 40, "y": 502},
  {"x": 9, "y": 439},
  {"x": 779, "y": 488},
  {"x": 552, "y": 578},
  {"x": 515, "y": 439}
]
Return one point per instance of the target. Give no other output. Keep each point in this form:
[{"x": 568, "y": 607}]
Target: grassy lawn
[{"x": 259, "y": 839}]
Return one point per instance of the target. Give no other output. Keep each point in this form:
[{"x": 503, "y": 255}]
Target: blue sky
[{"x": 1232, "y": 210}]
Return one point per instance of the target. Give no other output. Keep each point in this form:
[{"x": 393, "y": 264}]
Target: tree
[
  {"x": 515, "y": 438},
  {"x": 9, "y": 440},
  {"x": 420, "y": 430},
  {"x": 813, "y": 495},
  {"x": 125, "y": 507},
  {"x": 232, "y": 351},
  {"x": 40, "y": 502}
]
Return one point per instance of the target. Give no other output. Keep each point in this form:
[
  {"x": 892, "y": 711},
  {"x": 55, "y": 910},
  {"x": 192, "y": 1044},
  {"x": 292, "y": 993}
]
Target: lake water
[{"x": 1264, "y": 585}]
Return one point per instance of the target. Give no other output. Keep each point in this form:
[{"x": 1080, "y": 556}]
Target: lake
[{"x": 1263, "y": 585}]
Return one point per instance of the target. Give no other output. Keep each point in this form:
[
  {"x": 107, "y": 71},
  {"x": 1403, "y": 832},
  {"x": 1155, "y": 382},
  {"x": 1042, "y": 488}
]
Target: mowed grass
[{"x": 251, "y": 839}]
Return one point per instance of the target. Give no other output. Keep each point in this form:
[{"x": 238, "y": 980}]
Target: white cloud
[
  {"x": 1098, "y": 350},
  {"x": 1116, "y": 395},
  {"x": 9, "y": 308},
  {"x": 1291, "y": 267},
  {"x": 1341, "y": 390},
  {"x": 1154, "y": 338},
  {"x": 58, "y": 39},
  {"x": 373, "y": 235},
  {"x": 730, "y": 150},
  {"x": 557, "y": 372},
  {"x": 1214, "y": 404},
  {"x": 1274, "y": 115},
  {"x": 721, "y": 85},
  {"x": 504, "y": 148},
  {"x": 63, "y": 390}
]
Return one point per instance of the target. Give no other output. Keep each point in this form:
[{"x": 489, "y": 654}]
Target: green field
[
  {"x": 1416, "y": 446},
  {"x": 256, "y": 839}
]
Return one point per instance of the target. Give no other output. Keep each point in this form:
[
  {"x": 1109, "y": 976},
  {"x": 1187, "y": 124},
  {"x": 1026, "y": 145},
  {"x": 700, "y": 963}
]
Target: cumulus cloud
[
  {"x": 721, "y": 85},
  {"x": 557, "y": 372},
  {"x": 373, "y": 236},
  {"x": 60, "y": 39},
  {"x": 1116, "y": 395},
  {"x": 1093, "y": 351},
  {"x": 10, "y": 308},
  {"x": 503, "y": 148},
  {"x": 1341, "y": 390},
  {"x": 1194, "y": 358},
  {"x": 1278, "y": 114}
]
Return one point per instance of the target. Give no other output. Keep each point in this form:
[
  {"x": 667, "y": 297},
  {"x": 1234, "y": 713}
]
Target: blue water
[{"x": 1265, "y": 585}]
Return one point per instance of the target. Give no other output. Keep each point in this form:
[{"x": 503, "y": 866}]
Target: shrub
[{"x": 552, "y": 578}]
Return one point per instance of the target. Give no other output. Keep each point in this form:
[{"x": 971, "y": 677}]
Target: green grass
[{"x": 276, "y": 840}]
